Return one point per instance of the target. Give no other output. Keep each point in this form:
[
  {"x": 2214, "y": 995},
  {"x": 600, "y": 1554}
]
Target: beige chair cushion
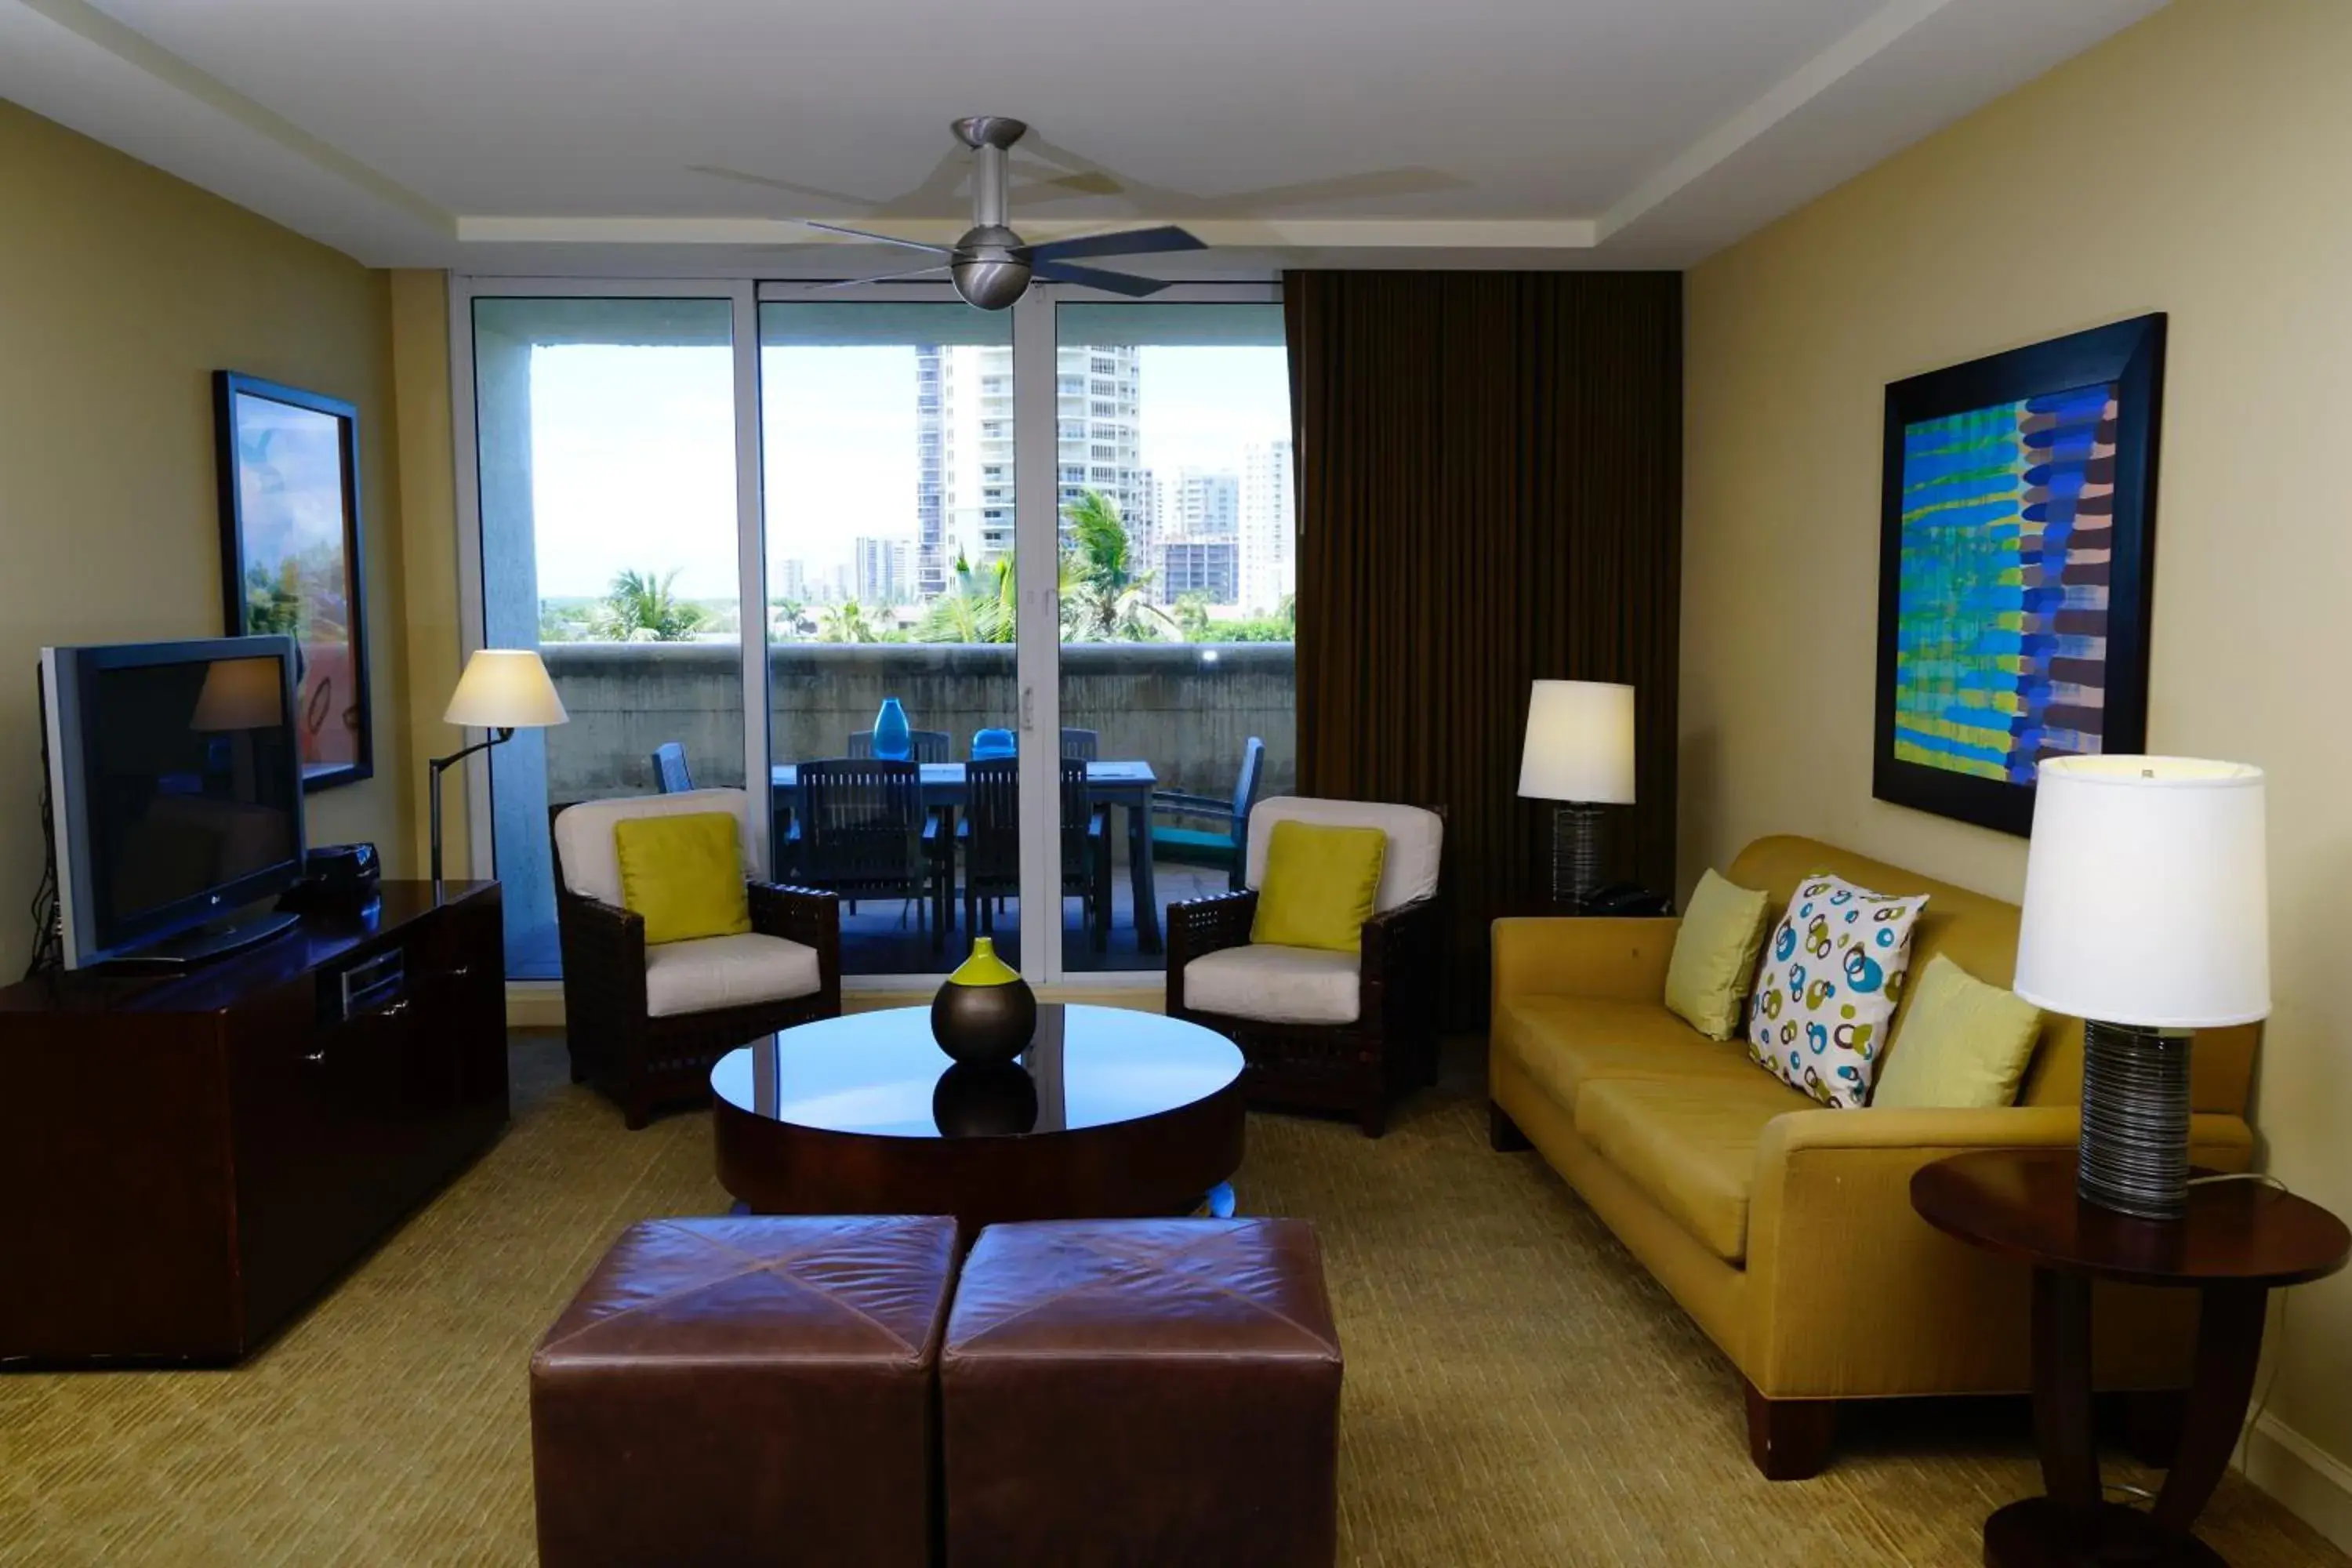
[
  {"x": 1568, "y": 1042},
  {"x": 1415, "y": 839},
  {"x": 1689, "y": 1145},
  {"x": 726, "y": 971},
  {"x": 1275, "y": 985},
  {"x": 583, "y": 835}
]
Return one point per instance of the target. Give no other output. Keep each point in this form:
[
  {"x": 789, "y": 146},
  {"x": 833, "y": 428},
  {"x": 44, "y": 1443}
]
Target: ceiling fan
[{"x": 990, "y": 265}]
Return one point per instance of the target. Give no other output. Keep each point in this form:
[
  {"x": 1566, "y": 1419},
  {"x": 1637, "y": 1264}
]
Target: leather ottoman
[
  {"x": 1141, "y": 1392},
  {"x": 742, "y": 1389}
]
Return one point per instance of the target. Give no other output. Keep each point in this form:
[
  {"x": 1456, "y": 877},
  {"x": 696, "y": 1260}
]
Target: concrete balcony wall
[{"x": 1186, "y": 707}]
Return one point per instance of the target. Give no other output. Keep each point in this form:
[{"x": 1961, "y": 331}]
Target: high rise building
[
  {"x": 789, "y": 579},
  {"x": 1201, "y": 503},
  {"x": 1268, "y": 527},
  {"x": 963, "y": 410},
  {"x": 1209, "y": 568},
  {"x": 883, "y": 569}
]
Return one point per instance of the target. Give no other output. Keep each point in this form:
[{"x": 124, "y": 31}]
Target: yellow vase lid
[{"x": 983, "y": 967}]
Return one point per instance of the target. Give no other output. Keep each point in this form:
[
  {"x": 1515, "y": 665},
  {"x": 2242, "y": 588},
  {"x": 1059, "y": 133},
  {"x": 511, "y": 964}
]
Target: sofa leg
[
  {"x": 1375, "y": 1118},
  {"x": 1790, "y": 1439},
  {"x": 1503, "y": 1134}
]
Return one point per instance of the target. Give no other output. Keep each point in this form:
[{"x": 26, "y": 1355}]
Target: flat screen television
[{"x": 175, "y": 794}]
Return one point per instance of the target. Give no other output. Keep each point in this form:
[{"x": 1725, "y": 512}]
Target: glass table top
[{"x": 882, "y": 1075}]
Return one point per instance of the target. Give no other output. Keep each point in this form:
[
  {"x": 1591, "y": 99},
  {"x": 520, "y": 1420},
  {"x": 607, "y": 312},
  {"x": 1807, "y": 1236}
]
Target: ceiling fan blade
[
  {"x": 876, "y": 238},
  {"x": 1125, "y": 242},
  {"x": 1125, "y": 283},
  {"x": 878, "y": 278}
]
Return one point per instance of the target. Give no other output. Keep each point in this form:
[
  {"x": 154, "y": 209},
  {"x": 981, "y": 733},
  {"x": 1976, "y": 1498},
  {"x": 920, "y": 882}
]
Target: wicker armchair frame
[
  {"x": 643, "y": 1063},
  {"x": 1358, "y": 1069}
]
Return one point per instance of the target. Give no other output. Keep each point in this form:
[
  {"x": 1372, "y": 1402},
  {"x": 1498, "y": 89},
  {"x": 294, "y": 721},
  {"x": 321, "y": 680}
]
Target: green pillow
[
  {"x": 1319, "y": 885},
  {"x": 684, "y": 873},
  {"x": 1964, "y": 1043},
  {"x": 1713, "y": 961}
]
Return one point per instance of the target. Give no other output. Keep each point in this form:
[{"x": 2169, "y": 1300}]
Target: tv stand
[
  {"x": 189, "y": 1158},
  {"x": 215, "y": 939}
]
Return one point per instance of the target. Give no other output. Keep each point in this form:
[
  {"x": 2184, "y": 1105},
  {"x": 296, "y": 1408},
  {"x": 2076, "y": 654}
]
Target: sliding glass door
[
  {"x": 606, "y": 497},
  {"x": 1005, "y": 594}
]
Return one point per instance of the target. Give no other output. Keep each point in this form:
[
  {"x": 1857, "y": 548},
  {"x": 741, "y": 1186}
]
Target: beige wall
[
  {"x": 2195, "y": 165},
  {"x": 121, "y": 290},
  {"x": 428, "y": 544}
]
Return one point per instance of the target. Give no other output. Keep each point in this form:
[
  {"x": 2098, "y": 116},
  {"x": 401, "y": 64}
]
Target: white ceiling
[{"x": 596, "y": 136}]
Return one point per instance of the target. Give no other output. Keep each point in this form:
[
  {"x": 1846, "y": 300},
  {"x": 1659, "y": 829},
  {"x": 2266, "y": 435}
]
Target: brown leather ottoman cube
[
  {"x": 745, "y": 1390},
  {"x": 1137, "y": 1391}
]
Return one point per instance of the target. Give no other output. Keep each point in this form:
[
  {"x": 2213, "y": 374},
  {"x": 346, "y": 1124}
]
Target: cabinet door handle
[
  {"x": 460, "y": 971},
  {"x": 395, "y": 1009}
]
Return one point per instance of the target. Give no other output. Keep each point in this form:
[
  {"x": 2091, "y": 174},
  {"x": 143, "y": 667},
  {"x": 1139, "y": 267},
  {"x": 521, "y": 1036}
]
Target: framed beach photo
[
  {"x": 292, "y": 557},
  {"x": 2017, "y": 538}
]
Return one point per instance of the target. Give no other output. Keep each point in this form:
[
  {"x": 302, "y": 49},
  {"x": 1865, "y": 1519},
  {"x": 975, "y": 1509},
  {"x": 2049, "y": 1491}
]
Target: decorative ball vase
[
  {"x": 985, "y": 1012},
  {"x": 893, "y": 742},
  {"x": 984, "y": 1099}
]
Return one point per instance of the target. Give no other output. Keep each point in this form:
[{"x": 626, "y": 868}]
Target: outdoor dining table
[{"x": 1114, "y": 782}]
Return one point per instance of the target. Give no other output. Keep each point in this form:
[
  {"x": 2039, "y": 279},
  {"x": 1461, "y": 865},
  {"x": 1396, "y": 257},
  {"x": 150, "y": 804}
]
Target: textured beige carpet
[{"x": 1517, "y": 1390}]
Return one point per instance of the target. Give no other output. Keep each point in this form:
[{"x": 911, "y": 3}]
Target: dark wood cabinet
[{"x": 187, "y": 1162}]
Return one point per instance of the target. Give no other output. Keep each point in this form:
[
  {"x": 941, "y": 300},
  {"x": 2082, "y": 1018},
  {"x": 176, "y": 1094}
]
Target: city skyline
[{"x": 620, "y": 435}]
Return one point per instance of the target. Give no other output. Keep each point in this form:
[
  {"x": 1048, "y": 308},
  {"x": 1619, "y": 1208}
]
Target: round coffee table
[
  {"x": 2239, "y": 1241},
  {"x": 1110, "y": 1113}
]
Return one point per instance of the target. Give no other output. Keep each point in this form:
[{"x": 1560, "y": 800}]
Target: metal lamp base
[
  {"x": 1575, "y": 854},
  {"x": 2134, "y": 1147}
]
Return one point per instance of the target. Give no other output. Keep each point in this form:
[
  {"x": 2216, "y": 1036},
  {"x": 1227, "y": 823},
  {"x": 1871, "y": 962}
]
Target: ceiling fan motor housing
[{"x": 989, "y": 268}]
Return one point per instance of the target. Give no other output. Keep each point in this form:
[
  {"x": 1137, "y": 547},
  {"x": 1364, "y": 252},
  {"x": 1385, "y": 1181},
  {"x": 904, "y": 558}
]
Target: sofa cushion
[
  {"x": 1713, "y": 961},
  {"x": 1319, "y": 887},
  {"x": 1689, "y": 1145},
  {"x": 1831, "y": 976},
  {"x": 1275, "y": 985},
  {"x": 683, "y": 875},
  {"x": 1416, "y": 837},
  {"x": 1566, "y": 1042},
  {"x": 726, "y": 971}
]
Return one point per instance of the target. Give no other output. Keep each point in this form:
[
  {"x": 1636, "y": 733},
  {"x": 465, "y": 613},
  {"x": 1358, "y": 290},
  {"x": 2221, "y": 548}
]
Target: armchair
[
  {"x": 1320, "y": 1030},
  {"x": 645, "y": 1025}
]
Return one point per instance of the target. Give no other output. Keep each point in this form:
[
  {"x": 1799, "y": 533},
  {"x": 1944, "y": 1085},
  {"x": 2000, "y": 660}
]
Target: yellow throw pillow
[
  {"x": 1964, "y": 1043},
  {"x": 683, "y": 874},
  {"x": 1715, "y": 955},
  {"x": 1319, "y": 885}
]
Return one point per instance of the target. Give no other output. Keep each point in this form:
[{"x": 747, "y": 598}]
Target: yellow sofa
[{"x": 1787, "y": 1230}]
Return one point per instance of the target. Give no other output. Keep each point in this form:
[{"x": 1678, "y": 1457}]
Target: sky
[{"x": 633, "y": 466}]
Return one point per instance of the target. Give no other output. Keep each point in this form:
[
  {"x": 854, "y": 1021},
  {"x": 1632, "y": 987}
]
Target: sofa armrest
[
  {"x": 604, "y": 948},
  {"x": 1399, "y": 968},
  {"x": 1624, "y": 959},
  {"x": 1837, "y": 1257},
  {"x": 1198, "y": 927}
]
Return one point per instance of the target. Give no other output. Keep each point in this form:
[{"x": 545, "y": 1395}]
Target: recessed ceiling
[{"x": 559, "y": 136}]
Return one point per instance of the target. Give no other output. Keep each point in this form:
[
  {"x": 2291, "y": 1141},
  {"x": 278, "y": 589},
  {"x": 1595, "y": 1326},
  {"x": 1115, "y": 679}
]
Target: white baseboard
[{"x": 2309, "y": 1481}]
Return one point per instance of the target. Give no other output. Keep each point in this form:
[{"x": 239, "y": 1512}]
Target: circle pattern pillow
[{"x": 1831, "y": 976}]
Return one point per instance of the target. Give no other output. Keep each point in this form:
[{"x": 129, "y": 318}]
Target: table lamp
[
  {"x": 502, "y": 690},
  {"x": 2147, "y": 915},
  {"x": 1580, "y": 752}
]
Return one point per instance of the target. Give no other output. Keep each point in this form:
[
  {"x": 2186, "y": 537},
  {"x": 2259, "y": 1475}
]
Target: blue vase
[{"x": 892, "y": 740}]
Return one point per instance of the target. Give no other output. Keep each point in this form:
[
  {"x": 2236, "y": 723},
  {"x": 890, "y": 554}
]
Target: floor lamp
[
  {"x": 502, "y": 690},
  {"x": 2147, "y": 915},
  {"x": 1578, "y": 753}
]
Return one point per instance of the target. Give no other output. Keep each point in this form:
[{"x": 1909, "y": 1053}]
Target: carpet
[{"x": 1518, "y": 1390}]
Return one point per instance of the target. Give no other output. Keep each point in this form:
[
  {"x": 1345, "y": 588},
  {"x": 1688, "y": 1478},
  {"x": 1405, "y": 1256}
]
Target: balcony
[{"x": 1185, "y": 708}]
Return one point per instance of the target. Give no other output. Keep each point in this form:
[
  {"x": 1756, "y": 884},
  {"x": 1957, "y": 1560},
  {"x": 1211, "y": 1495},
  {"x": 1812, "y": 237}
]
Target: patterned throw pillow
[{"x": 1831, "y": 975}]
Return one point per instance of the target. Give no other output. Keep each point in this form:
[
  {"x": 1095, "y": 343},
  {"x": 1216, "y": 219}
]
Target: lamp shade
[
  {"x": 1580, "y": 743},
  {"x": 2146, "y": 900},
  {"x": 505, "y": 689}
]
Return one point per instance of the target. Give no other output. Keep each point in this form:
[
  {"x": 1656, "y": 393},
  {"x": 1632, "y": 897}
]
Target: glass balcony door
[
  {"x": 609, "y": 524},
  {"x": 1174, "y": 524}
]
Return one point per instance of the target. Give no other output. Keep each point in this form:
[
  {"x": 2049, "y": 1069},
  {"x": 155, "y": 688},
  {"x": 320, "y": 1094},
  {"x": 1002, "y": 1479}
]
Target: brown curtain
[{"x": 1490, "y": 473}]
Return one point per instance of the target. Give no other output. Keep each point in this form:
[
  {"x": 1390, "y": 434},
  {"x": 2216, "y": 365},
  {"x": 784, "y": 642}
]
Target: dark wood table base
[{"x": 2042, "y": 1532}]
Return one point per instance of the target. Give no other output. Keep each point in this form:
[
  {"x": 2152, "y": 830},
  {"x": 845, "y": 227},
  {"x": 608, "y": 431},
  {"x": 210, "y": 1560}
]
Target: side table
[{"x": 2239, "y": 1241}]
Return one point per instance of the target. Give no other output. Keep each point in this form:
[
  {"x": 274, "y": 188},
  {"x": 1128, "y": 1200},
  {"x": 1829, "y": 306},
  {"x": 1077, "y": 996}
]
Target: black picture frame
[
  {"x": 298, "y": 587},
  {"x": 2127, "y": 356}
]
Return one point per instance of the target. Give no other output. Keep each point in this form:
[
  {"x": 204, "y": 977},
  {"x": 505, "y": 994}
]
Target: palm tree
[
  {"x": 640, "y": 607},
  {"x": 978, "y": 606},
  {"x": 844, "y": 622},
  {"x": 1105, "y": 600}
]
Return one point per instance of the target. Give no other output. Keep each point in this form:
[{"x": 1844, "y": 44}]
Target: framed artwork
[
  {"x": 2016, "y": 540},
  {"x": 292, "y": 556}
]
